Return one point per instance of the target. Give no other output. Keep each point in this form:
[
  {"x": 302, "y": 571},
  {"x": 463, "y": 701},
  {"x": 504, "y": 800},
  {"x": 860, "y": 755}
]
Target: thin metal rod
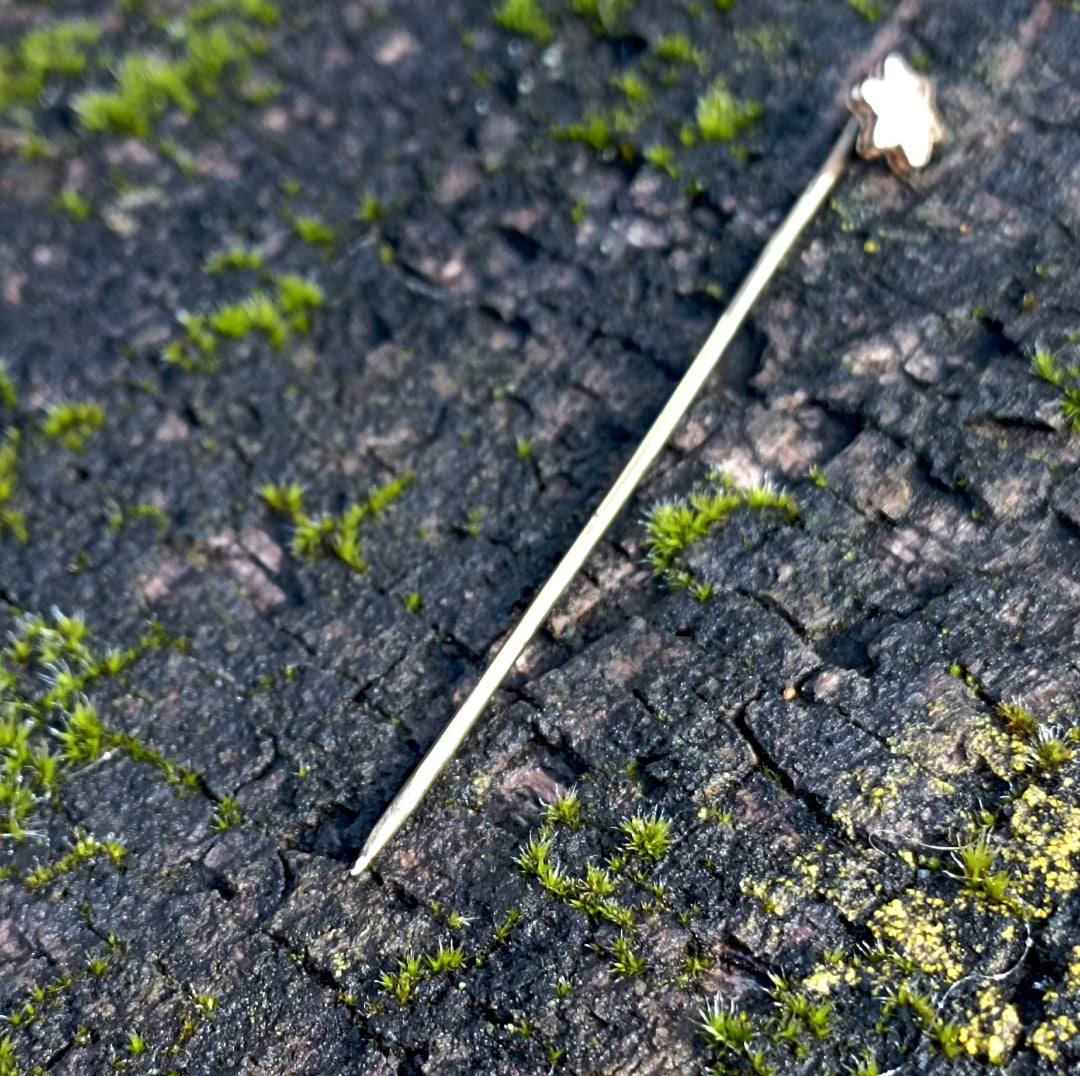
[{"x": 412, "y": 792}]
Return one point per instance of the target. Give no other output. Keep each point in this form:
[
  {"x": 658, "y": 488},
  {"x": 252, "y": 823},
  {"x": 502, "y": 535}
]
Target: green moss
[
  {"x": 320, "y": 536},
  {"x": 9, "y": 396},
  {"x": 871, "y": 10},
  {"x": 604, "y": 15},
  {"x": 721, "y": 116},
  {"x": 213, "y": 45},
  {"x": 274, "y": 314},
  {"x": 594, "y": 131},
  {"x": 633, "y": 87},
  {"x": 85, "y": 847},
  {"x": 227, "y": 814},
  {"x": 524, "y": 17},
  {"x": 372, "y": 209},
  {"x": 72, "y": 422},
  {"x": 625, "y": 961},
  {"x": 297, "y": 297},
  {"x": 313, "y": 229},
  {"x": 287, "y": 500},
  {"x": 679, "y": 49},
  {"x": 74, "y": 204},
  {"x": 662, "y": 157},
  {"x": 55, "y": 50},
  {"x": 564, "y": 810},
  {"x": 672, "y": 526},
  {"x": 49, "y": 725},
  {"x": 255, "y": 313},
  {"x": 648, "y": 836},
  {"x": 1050, "y": 366},
  {"x": 1017, "y": 720},
  {"x": 234, "y": 257},
  {"x": 11, "y": 519}
]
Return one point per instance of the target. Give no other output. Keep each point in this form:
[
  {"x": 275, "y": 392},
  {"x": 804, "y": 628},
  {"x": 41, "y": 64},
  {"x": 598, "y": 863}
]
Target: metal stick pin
[{"x": 894, "y": 118}]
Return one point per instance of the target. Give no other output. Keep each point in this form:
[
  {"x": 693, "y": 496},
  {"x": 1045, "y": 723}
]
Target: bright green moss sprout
[
  {"x": 9, "y": 397},
  {"x": 11, "y": 519},
  {"x": 287, "y": 500},
  {"x": 723, "y": 1028},
  {"x": 227, "y": 814},
  {"x": 329, "y": 535},
  {"x": 720, "y": 116},
  {"x": 603, "y": 14},
  {"x": 1017, "y": 720},
  {"x": 648, "y": 836},
  {"x": 414, "y": 969},
  {"x": 214, "y": 42},
  {"x": 871, "y": 10},
  {"x": 524, "y": 17},
  {"x": 448, "y": 958},
  {"x": 625, "y": 962},
  {"x": 148, "y": 85},
  {"x": 662, "y": 157},
  {"x": 256, "y": 313},
  {"x": 1048, "y": 366},
  {"x": 372, "y": 209},
  {"x": 48, "y": 725},
  {"x": 72, "y": 422},
  {"x": 564, "y": 810},
  {"x": 235, "y": 257},
  {"x": 1050, "y": 749},
  {"x": 672, "y": 526},
  {"x": 85, "y": 847},
  {"x": 277, "y": 314},
  {"x": 297, "y": 297},
  {"x": 678, "y": 48},
  {"x": 74, "y": 204},
  {"x": 47, "y": 52},
  {"x": 313, "y": 229}
]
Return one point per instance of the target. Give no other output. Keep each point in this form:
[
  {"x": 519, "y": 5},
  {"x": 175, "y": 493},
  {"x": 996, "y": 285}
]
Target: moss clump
[
  {"x": 327, "y": 535},
  {"x": 227, "y": 814},
  {"x": 57, "y": 50},
  {"x": 72, "y": 422},
  {"x": 11, "y": 519},
  {"x": 604, "y": 15},
  {"x": 672, "y": 526},
  {"x": 721, "y": 116},
  {"x": 48, "y": 722},
  {"x": 371, "y": 209},
  {"x": 85, "y": 847},
  {"x": 525, "y": 17},
  {"x": 314, "y": 230},
  {"x": 275, "y": 314},
  {"x": 9, "y": 396},
  {"x": 74, "y": 204},
  {"x": 871, "y": 10},
  {"x": 678, "y": 49},
  {"x": 215, "y": 42},
  {"x": 234, "y": 257},
  {"x": 1049, "y": 366}
]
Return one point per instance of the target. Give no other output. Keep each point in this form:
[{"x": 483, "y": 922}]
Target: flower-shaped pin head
[{"x": 897, "y": 115}]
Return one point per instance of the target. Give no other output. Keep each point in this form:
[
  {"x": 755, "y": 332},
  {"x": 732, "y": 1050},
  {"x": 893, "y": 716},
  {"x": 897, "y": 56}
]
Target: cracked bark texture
[{"x": 819, "y": 734}]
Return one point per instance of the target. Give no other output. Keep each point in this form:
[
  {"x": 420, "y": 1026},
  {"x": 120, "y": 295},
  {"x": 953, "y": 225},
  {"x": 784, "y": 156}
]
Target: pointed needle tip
[{"x": 362, "y": 863}]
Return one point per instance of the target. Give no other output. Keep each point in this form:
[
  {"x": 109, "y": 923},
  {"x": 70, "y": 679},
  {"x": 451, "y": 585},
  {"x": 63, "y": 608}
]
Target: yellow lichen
[
  {"x": 920, "y": 929},
  {"x": 993, "y": 1028},
  {"x": 1051, "y": 1034},
  {"x": 1041, "y": 855}
]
